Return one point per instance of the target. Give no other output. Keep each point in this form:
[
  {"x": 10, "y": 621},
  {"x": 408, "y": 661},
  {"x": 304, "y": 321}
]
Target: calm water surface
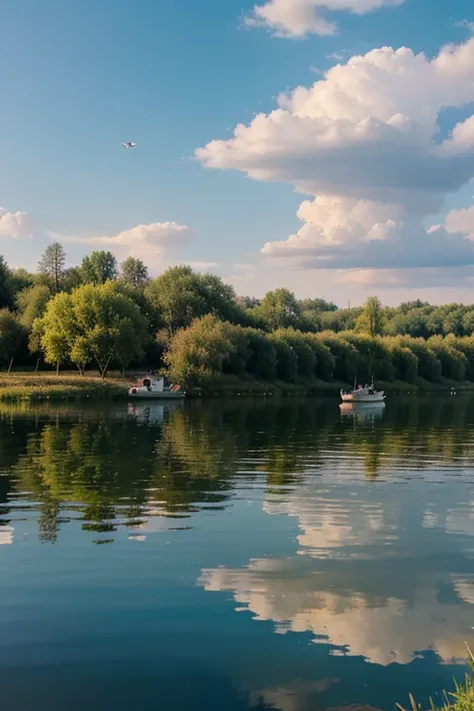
[{"x": 227, "y": 556}]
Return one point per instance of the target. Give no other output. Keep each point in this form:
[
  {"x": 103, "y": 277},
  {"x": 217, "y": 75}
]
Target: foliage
[
  {"x": 93, "y": 324},
  {"x": 346, "y": 357},
  {"x": 179, "y": 296},
  {"x": 325, "y": 360},
  {"x": 429, "y": 366},
  {"x": 305, "y": 355},
  {"x": 374, "y": 360},
  {"x": 31, "y": 303},
  {"x": 51, "y": 265},
  {"x": 371, "y": 320},
  {"x": 12, "y": 336},
  {"x": 134, "y": 272},
  {"x": 279, "y": 309},
  {"x": 99, "y": 267},
  {"x": 453, "y": 362},
  {"x": 198, "y": 352},
  {"x": 6, "y": 291},
  {"x": 404, "y": 361},
  {"x": 286, "y": 359},
  {"x": 262, "y": 360}
]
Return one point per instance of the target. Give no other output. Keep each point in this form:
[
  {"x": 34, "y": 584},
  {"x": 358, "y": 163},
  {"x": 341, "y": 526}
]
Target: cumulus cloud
[
  {"x": 363, "y": 144},
  {"x": 346, "y": 233},
  {"x": 15, "y": 225},
  {"x": 298, "y": 18},
  {"x": 156, "y": 238}
]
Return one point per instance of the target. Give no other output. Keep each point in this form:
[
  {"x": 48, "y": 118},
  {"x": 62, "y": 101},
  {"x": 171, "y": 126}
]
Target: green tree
[
  {"x": 306, "y": 357},
  {"x": 429, "y": 366},
  {"x": 51, "y": 265},
  {"x": 13, "y": 337},
  {"x": 199, "y": 352},
  {"x": 31, "y": 303},
  {"x": 6, "y": 287},
  {"x": 262, "y": 359},
  {"x": 325, "y": 361},
  {"x": 371, "y": 319},
  {"x": 286, "y": 359},
  {"x": 134, "y": 272},
  {"x": 96, "y": 323},
  {"x": 72, "y": 278},
  {"x": 179, "y": 296},
  {"x": 454, "y": 363},
  {"x": 346, "y": 357},
  {"x": 99, "y": 267},
  {"x": 279, "y": 309}
]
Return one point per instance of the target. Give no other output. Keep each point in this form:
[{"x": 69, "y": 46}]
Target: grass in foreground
[
  {"x": 67, "y": 386},
  {"x": 461, "y": 699}
]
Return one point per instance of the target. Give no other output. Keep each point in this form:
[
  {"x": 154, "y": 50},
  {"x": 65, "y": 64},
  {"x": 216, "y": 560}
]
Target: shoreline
[{"x": 71, "y": 387}]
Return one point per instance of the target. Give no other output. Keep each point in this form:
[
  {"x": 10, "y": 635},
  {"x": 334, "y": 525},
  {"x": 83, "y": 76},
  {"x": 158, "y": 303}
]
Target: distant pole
[
  {"x": 37, "y": 365},
  {"x": 349, "y": 304},
  {"x": 10, "y": 366}
]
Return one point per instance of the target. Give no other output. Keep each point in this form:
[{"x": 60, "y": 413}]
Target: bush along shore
[{"x": 195, "y": 329}]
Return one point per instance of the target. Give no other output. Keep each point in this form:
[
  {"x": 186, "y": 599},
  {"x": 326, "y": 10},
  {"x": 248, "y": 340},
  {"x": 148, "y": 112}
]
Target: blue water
[{"x": 235, "y": 555}]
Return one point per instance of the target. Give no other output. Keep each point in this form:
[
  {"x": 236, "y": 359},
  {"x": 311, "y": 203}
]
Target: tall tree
[
  {"x": 134, "y": 272},
  {"x": 52, "y": 264},
  {"x": 372, "y": 318},
  {"x": 279, "y": 309},
  {"x": 99, "y": 267}
]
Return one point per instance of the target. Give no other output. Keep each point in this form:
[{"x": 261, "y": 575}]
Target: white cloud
[
  {"x": 157, "y": 238},
  {"x": 298, "y": 18},
  {"x": 15, "y": 225},
  {"x": 364, "y": 145}
]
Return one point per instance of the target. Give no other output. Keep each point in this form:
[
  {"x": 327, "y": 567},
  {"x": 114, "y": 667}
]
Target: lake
[{"x": 235, "y": 555}]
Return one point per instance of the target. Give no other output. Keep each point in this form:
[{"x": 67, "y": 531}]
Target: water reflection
[
  {"x": 350, "y": 532},
  {"x": 125, "y": 466}
]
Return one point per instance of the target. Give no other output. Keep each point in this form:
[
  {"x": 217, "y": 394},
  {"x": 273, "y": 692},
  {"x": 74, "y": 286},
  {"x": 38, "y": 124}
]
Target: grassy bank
[
  {"x": 70, "y": 386},
  {"x": 67, "y": 386}
]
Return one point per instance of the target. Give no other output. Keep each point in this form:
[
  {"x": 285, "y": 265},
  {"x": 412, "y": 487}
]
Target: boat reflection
[
  {"x": 362, "y": 410},
  {"x": 152, "y": 414}
]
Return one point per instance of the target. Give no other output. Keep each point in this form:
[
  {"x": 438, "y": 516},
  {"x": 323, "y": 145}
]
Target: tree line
[{"x": 104, "y": 315}]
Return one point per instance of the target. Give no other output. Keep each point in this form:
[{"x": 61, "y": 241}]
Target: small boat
[
  {"x": 367, "y": 394},
  {"x": 155, "y": 388}
]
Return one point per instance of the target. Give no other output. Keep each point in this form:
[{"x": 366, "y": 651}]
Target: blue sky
[{"x": 79, "y": 78}]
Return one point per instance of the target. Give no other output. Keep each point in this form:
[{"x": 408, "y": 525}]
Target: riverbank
[{"x": 71, "y": 386}]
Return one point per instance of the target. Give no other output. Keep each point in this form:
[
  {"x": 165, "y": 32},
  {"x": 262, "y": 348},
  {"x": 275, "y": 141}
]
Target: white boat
[
  {"x": 359, "y": 394},
  {"x": 155, "y": 389}
]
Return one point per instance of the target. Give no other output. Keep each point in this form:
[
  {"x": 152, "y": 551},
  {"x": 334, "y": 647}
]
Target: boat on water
[
  {"x": 360, "y": 394},
  {"x": 153, "y": 388}
]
